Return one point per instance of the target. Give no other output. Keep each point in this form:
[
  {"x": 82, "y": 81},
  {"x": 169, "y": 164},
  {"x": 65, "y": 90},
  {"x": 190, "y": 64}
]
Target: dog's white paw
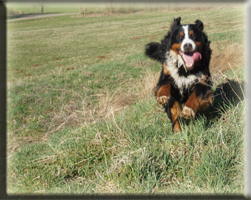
[
  {"x": 163, "y": 100},
  {"x": 188, "y": 112}
]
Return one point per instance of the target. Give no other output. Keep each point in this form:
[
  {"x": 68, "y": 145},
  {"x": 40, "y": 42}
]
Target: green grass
[
  {"x": 139, "y": 153},
  {"x": 82, "y": 119}
]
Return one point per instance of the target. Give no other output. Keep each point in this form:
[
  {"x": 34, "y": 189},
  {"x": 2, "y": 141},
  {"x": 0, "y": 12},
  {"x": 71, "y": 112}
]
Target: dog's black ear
[
  {"x": 176, "y": 22},
  {"x": 199, "y": 25},
  {"x": 153, "y": 50}
]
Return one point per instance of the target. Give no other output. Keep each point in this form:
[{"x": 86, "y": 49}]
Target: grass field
[{"x": 82, "y": 118}]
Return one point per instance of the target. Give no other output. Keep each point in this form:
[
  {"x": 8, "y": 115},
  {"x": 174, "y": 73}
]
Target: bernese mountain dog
[{"x": 185, "y": 79}]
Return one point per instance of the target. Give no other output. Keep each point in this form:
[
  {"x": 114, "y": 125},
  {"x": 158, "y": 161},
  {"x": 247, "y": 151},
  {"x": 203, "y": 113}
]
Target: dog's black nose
[{"x": 187, "y": 47}]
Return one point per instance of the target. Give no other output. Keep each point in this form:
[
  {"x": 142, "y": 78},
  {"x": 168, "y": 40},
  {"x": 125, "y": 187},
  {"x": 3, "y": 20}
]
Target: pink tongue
[
  {"x": 196, "y": 56},
  {"x": 191, "y": 58}
]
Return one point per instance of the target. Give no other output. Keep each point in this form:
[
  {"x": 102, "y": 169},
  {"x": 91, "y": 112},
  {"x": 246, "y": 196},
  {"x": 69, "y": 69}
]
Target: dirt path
[{"x": 34, "y": 16}]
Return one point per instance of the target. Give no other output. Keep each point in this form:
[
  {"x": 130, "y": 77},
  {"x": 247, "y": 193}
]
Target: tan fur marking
[
  {"x": 181, "y": 34},
  {"x": 176, "y": 47},
  {"x": 164, "y": 90},
  {"x": 199, "y": 46},
  {"x": 191, "y": 33},
  {"x": 176, "y": 111}
]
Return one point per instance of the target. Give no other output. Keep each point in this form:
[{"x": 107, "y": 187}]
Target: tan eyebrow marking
[
  {"x": 181, "y": 34},
  {"x": 191, "y": 33}
]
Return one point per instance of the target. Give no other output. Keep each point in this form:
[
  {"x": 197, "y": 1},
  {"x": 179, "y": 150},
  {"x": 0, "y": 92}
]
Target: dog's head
[{"x": 188, "y": 41}]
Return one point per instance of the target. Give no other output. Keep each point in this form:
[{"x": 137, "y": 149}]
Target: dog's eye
[
  {"x": 193, "y": 36},
  {"x": 180, "y": 37}
]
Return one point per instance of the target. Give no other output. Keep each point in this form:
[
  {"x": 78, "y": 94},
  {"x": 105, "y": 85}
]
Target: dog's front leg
[
  {"x": 163, "y": 94},
  {"x": 201, "y": 98}
]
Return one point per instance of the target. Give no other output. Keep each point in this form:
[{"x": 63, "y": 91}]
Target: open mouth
[{"x": 190, "y": 58}]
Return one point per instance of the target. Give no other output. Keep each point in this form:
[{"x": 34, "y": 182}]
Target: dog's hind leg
[{"x": 173, "y": 110}]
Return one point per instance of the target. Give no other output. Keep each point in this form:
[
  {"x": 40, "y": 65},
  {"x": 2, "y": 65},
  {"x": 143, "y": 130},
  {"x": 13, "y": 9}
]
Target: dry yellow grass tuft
[
  {"x": 112, "y": 103},
  {"x": 226, "y": 57}
]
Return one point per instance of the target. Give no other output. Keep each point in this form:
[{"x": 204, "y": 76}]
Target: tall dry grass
[
  {"x": 109, "y": 103},
  {"x": 127, "y": 8},
  {"x": 225, "y": 57}
]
